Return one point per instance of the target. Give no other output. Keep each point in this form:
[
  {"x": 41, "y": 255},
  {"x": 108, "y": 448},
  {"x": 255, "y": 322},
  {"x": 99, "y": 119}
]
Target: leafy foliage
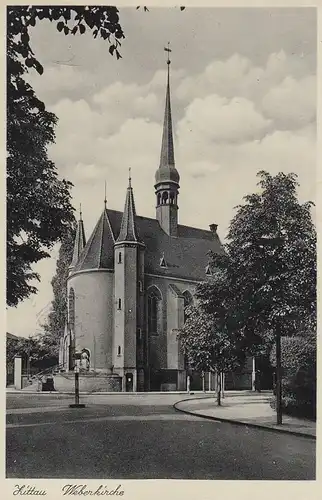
[
  {"x": 270, "y": 261},
  {"x": 102, "y": 21},
  {"x": 34, "y": 348},
  {"x": 205, "y": 337}
]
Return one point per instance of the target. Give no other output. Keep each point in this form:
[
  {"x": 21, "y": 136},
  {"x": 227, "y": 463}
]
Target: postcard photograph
[{"x": 161, "y": 245}]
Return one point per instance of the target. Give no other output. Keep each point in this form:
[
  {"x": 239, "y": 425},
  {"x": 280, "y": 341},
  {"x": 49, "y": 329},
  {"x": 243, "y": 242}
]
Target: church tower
[
  {"x": 167, "y": 177},
  {"x": 128, "y": 300}
]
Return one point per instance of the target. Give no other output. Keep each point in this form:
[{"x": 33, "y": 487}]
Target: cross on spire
[
  {"x": 168, "y": 50},
  {"x": 130, "y": 177},
  {"x": 105, "y": 200},
  {"x": 80, "y": 211}
]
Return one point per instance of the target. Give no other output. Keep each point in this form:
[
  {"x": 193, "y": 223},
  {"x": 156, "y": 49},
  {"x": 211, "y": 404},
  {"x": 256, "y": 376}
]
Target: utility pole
[
  {"x": 273, "y": 243},
  {"x": 278, "y": 378}
]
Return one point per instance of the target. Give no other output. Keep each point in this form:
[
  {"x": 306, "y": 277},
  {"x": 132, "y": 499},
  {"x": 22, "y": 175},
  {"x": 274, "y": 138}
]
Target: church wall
[
  {"x": 94, "y": 316},
  {"x": 157, "y": 343},
  {"x": 165, "y": 348}
]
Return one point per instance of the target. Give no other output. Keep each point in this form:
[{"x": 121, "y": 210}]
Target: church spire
[
  {"x": 128, "y": 231},
  {"x": 167, "y": 177},
  {"x": 80, "y": 240},
  {"x": 167, "y": 150}
]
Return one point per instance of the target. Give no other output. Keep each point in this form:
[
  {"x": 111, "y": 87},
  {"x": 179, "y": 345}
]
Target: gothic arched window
[
  {"x": 187, "y": 301},
  {"x": 71, "y": 309},
  {"x": 154, "y": 310}
]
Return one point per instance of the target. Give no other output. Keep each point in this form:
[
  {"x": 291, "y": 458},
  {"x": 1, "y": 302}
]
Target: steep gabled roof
[
  {"x": 79, "y": 243},
  {"x": 186, "y": 255},
  {"x": 99, "y": 250}
]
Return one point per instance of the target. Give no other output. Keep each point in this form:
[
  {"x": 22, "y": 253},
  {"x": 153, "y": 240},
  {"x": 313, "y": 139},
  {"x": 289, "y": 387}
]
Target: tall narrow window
[
  {"x": 119, "y": 304},
  {"x": 71, "y": 309},
  {"x": 154, "y": 310},
  {"x": 119, "y": 350},
  {"x": 120, "y": 258}
]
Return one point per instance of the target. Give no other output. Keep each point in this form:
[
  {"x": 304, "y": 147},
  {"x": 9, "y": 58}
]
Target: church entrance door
[{"x": 129, "y": 382}]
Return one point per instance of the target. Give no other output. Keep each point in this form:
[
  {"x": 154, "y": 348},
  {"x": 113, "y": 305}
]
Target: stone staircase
[{"x": 65, "y": 381}]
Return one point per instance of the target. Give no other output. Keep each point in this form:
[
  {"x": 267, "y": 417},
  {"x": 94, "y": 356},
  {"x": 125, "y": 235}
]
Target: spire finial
[
  {"x": 168, "y": 50},
  {"x": 105, "y": 200},
  {"x": 80, "y": 211},
  {"x": 130, "y": 177}
]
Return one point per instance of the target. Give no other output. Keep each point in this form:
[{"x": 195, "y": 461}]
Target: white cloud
[
  {"x": 238, "y": 76},
  {"x": 215, "y": 118},
  {"x": 292, "y": 104}
]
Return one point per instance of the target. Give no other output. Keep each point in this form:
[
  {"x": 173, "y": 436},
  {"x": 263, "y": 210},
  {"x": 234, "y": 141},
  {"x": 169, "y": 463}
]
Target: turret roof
[
  {"x": 98, "y": 253},
  {"x": 79, "y": 243},
  {"x": 128, "y": 230}
]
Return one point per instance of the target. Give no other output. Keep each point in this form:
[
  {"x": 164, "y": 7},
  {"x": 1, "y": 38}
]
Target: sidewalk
[{"x": 247, "y": 408}]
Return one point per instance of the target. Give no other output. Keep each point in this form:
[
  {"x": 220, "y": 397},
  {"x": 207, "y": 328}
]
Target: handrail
[{"x": 47, "y": 370}]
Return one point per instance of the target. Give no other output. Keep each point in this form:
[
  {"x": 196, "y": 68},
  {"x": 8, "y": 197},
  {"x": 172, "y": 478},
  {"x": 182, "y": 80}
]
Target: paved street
[{"x": 136, "y": 437}]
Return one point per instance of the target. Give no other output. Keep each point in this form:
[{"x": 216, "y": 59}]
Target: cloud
[
  {"x": 292, "y": 104},
  {"x": 238, "y": 76},
  {"x": 218, "y": 119}
]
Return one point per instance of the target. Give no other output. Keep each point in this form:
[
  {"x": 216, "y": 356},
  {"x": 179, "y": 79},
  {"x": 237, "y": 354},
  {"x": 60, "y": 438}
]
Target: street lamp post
[{"x": 77, "y": 404}]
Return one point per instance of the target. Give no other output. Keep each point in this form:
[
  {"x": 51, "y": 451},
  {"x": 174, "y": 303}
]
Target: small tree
[{"x": 205, "y": 338}]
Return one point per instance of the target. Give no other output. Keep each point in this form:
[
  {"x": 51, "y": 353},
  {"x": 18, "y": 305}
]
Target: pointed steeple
[
  {"x": 167, "y": 177},
  {"x": 167, "y": 150},
  {"x": 128, "y": 231},
  {"x": 167, "y": 170},
  {"x": 80, "y": 240}
]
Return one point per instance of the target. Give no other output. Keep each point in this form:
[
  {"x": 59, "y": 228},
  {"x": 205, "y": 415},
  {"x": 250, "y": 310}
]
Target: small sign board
[{"x": 77, "y": 366}]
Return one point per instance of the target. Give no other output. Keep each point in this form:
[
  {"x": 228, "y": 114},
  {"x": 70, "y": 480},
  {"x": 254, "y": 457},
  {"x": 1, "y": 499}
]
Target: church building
[{"x": 129, "y": 285}]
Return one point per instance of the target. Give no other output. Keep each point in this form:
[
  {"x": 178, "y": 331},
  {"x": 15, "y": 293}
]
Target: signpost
[{"x": 77, "y": 404}]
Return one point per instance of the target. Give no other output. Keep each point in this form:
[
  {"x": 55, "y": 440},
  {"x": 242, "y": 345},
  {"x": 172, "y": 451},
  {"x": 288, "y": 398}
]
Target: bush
[{"x": 299, "y": 375}]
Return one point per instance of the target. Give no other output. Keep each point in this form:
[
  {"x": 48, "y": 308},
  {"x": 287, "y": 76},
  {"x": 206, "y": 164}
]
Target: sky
[{"x": 243, "y": 91}]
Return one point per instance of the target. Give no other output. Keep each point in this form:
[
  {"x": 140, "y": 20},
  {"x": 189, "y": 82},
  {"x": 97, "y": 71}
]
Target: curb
[
  {"x": 46, "y": 393},
  {"x": 239, "y": 422}
]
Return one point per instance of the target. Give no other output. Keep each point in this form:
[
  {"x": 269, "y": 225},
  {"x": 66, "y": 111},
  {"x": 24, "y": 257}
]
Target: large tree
[
  {"x": 38, "y": 202},
  {"x": 270, "y": 264},
  {"x": 271, "y": 260}
]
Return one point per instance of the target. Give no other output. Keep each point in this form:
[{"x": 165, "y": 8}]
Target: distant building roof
[{"x": 186, "y": 255}]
